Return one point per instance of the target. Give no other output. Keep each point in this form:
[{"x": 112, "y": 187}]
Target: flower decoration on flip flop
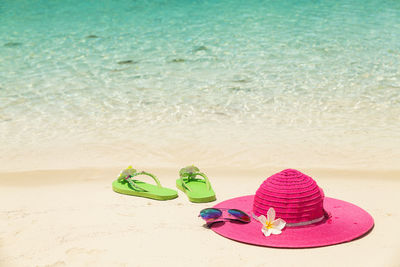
[
  {"x": 189, "y": 171},
  {"x": 270, "y": 225},
  {"x": 128, "y": 172}
]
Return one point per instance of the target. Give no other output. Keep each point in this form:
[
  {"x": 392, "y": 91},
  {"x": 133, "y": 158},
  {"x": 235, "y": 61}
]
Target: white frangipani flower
[{"x": 270, "y": 225}]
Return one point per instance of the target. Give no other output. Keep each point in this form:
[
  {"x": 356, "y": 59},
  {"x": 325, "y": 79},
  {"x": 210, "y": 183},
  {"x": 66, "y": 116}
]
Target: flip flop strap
[
  {"x": 135, "y": 185},
  {"x": 205, "y": 178},
  {"x": 192, "y": 176}
]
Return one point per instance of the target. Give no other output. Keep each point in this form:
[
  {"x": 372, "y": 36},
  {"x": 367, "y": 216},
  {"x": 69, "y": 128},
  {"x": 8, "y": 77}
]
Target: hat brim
[{"x": 347, "y": 222}]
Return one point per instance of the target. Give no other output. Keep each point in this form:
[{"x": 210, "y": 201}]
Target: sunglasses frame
[{"x": 231, "y": 217}]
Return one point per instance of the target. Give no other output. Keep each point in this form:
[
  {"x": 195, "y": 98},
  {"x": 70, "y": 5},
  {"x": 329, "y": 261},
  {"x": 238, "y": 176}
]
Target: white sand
[{"x": 73, "y": 218}]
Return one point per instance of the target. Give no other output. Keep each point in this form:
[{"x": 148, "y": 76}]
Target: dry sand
[{"x": 73, "y": 218}]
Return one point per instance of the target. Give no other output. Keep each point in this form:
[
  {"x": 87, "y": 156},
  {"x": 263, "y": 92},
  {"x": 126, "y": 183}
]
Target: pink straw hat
[{"x": 304, "y": 216}]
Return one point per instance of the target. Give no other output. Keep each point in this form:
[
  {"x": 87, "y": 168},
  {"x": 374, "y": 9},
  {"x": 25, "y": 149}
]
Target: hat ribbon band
[{"x": 299, "y": 223}]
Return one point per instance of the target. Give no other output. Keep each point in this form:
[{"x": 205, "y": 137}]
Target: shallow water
[{"x": 255, "y": 83}]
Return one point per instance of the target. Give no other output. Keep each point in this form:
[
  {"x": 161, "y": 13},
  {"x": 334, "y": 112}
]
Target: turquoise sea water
[{"x": 257, "y": 83}]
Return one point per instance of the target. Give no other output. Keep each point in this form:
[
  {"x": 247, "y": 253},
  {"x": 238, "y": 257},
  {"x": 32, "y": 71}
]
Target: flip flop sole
[
  {"x": 153, "y": 192},
  {"x": 199, "y": 193}
]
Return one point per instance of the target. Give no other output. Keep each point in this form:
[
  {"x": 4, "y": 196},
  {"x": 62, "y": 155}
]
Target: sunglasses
[{"x": 212, "y": 215}]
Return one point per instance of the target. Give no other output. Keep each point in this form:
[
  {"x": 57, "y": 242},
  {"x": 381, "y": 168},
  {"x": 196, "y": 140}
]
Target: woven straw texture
[{"x": 295, "y": 197}]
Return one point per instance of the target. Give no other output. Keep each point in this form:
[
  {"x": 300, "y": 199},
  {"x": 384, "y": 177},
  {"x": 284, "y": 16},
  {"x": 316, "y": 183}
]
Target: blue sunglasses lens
[
  {"x": 240, "y": 215},
  {"x": 210, "y": 214}
]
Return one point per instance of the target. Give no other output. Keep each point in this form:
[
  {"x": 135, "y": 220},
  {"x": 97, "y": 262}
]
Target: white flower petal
[
  {"x": 278, "y": 224},
  {"x": 275, "y": 231},
  {"x": 271, "y": 214},
  {"x": 267, "y": 232},
  {"x": 262, "y": 219}
]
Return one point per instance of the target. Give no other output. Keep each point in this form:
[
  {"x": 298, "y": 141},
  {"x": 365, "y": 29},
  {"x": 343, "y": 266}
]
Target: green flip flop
[
  {"x": 198, "y": 190},
  {"x": 125, "y": 184}
]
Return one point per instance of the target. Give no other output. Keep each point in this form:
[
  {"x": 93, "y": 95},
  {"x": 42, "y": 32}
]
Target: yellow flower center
[{"x": 268, "y": 225}]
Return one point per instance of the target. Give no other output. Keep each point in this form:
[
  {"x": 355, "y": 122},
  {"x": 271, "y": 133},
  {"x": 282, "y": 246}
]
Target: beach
[
  {"x": 242, "y": 90},
  {"x": 73, "y": 218}
]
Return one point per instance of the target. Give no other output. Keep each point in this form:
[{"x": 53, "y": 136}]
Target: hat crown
[{"x": 295, "y": 197}]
